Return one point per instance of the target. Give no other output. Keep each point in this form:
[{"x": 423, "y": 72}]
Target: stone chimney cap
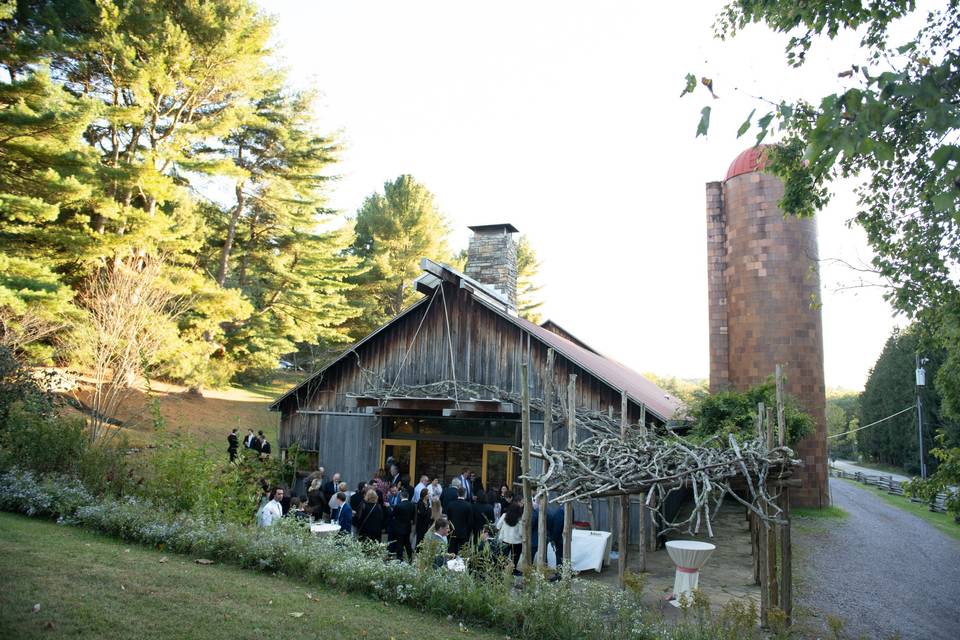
[{"x": 506, "y": 227}]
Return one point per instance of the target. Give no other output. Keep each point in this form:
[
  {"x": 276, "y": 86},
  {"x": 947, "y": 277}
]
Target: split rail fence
[{"x": 891, "y": 486}]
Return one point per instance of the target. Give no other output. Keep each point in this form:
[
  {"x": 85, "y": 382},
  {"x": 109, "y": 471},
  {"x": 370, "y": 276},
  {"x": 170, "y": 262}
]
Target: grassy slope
[
  {"x": 90, "y": 586},
  {"x": 208, "y": 419},
  {"x": 941, "y": 521}
]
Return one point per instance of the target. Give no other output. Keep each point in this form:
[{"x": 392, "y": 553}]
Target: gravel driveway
[{"x": 882, "y": 570}]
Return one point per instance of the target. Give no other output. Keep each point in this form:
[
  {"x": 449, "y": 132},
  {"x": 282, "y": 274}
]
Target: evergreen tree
[
  {"x": 163, "y": 76},
  {"x": 395, "y": 229},
  {"x": 277, "y": 245},
  {"x": 891, "y": 388},
  {"x": 48, "y": 172},
  {"x": 528, "y": 266}
]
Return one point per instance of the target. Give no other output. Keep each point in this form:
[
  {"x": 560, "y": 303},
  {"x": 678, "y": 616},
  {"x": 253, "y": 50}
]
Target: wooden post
[
  {"x": 624, "y": 506},
  {"x": 642, "y": 564},
  {"x": 764, "y": 574},
  {"x": 786, "y": 550},
  {"x": 525, "y": 466},
  {"x": 547, "y": 438},
  {"x": 571, "y": 442},
  {"x": 781, "y": 420},
  {"x": 771, "y": 548}
]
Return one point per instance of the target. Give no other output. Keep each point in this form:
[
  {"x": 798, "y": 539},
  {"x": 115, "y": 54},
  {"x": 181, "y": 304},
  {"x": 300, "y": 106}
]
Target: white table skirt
[
  {"x": 591, "y": 550},
  {"x": 689, "y": 556},
  {"x": 324, "y": 529}
]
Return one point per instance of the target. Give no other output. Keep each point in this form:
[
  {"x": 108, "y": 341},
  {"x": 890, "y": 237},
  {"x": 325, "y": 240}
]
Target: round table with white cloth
[
  {"x": 689, "y": 556},
  {"x": 324, "y": 529}
]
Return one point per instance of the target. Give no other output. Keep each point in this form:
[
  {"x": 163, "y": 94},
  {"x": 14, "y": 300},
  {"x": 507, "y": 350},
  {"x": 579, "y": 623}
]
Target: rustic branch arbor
[{"x": 607, "y": 457}]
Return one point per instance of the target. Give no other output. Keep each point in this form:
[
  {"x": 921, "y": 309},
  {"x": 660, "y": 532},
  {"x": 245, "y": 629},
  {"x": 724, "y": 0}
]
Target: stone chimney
[{"x": 492, "y": 259}]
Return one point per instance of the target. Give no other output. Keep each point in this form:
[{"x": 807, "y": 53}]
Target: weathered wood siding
[
  {"x": 351, "y": 442},
  {"x": 487, "y": 349}
]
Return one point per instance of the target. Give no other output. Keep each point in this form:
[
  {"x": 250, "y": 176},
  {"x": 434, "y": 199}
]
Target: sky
[{"x": 565, "y": 119}]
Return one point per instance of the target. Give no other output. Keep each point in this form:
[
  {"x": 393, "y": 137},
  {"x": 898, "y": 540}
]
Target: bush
[
  {"x": 736, "y": 412},
  {"x": 18, "y": 387},
  {"x": 541, "y": 610},
  {"x": 41, "y": 441}
]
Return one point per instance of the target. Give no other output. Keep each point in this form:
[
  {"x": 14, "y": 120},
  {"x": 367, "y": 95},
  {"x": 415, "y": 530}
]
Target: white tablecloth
[
  {"x": 591, "y": 550},
  {"x": 689, "y": 556},
  {"x": 324, "y": 529}
]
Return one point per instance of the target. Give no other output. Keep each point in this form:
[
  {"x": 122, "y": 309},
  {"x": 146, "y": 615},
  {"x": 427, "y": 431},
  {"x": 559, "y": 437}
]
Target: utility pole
[{"x": 921, "y": 381}]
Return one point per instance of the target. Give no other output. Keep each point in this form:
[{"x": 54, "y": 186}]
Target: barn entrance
[{"x": 441, "y": 447}]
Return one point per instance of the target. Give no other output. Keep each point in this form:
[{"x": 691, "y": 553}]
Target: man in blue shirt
[{"x": 345, "y": 515}]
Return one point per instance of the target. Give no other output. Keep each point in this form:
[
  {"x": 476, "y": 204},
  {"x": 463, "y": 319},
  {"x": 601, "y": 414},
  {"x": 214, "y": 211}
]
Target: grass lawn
[
  {"x": 941, "y": 521},
  {"x": 90, "y": 586},
  {"x": 812, "y": 512}
]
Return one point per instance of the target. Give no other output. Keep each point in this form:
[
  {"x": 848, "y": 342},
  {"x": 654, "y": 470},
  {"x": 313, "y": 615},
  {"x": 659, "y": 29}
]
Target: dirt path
[{"x": 882, "y": 570}]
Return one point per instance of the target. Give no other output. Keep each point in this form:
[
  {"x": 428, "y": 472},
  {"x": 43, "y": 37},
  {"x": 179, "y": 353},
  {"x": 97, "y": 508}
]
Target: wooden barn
[{"x": 463, "y": 332}]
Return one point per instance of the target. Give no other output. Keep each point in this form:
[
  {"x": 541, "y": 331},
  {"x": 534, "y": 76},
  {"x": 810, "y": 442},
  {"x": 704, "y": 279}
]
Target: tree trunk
[{"x": 231, "y": 234}]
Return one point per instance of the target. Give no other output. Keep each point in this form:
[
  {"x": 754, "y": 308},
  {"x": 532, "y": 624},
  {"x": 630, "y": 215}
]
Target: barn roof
[{"x": 614, "y": 374}]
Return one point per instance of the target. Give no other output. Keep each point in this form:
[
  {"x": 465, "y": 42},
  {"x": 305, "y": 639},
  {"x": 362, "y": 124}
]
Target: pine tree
[
  {"x": 395, "y": 229},
  {"x": 164, "y": 76},
  {"x": 528, "y": 266},
  {"x": 48, "y": 173},
  {"x": 277, "y": 244}
]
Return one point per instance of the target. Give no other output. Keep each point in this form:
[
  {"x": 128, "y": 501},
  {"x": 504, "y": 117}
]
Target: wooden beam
[
  {"x": 571, "y": 443},
  {"x": 781, "y": 420},
  {"x": 547, "y": 442},
  {"x": 525, "y": 466},
  {"x": 786, "y": 545},
  {"x": 642, "y": 565},
  {"x": 624, "y": 506}
]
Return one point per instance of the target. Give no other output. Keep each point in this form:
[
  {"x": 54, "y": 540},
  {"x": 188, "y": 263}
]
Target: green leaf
[
  {"x": 945, "y": 200},
  {"x": 704, "y": 122},
  {"x": 746, "y": 124},
  {"x": 944, "y": 154},
  {"x": 882, "y": 151},
  {"x": 691, "y": 84}
]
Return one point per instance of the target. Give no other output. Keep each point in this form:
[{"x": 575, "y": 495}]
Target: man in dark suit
[
  {"x": 482, "y": 515},
  {"x": 466, "y": 483},
  {"x": 554, "y": 530},
  {"x": 400, "y": 525},
  {"x": 450, "y": 493},
  {"x": 460, "y": 514},
  {"x": 233, "y": 442},
  {"x": 345, "y": 514},
  {"x": 328, "y": 489}
]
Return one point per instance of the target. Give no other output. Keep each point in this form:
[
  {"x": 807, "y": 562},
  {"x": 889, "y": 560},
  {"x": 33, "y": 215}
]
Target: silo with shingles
[{"x": 764, "y": 301}]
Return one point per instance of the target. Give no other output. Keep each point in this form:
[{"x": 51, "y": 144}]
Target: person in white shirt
[
  {"x": 511, "y": 533},
  {"x": 435, "y": 490},
  {"x": 272, "y": 511},
  {"x": 423, "y": 484}
]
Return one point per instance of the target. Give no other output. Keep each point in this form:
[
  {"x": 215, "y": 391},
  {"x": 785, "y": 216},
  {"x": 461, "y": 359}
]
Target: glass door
[
  {"x": 497, "y": 467},
  {"x": 404, "y": 454}
]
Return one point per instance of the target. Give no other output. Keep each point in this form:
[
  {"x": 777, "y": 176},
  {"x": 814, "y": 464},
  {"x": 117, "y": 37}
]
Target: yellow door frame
[
  {"x": 500, "y": 448},
  {"x": 395, "y": 442}
]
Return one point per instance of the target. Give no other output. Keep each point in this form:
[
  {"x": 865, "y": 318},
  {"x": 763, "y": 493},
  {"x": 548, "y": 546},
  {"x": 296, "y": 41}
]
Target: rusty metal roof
[
  {"x": 749, "y": 161},
  {"x": 617, "y": 375}
]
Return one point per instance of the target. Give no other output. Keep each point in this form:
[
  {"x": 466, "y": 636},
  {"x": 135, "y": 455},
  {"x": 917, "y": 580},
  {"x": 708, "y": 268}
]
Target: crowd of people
[
  {"x": 386, "y": 506},
  {"x": 257, "y": 443}
]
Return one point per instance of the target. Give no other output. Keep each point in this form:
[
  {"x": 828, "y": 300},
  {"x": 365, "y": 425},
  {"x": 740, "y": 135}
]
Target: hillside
[{"x": 207, "y": 418}]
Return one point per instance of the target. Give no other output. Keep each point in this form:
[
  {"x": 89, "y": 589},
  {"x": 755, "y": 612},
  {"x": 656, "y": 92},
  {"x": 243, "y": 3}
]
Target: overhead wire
[{"x": 867, "y": 426}]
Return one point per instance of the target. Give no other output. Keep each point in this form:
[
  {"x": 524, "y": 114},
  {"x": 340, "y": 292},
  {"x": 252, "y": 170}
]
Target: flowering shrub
[{"x": 541, "y": 610}]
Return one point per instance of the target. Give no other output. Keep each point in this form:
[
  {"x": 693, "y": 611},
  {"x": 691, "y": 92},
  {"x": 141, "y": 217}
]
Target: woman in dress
[
  {"x": 371, "y": 518},
  {"x": 424, "y": 515}
]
